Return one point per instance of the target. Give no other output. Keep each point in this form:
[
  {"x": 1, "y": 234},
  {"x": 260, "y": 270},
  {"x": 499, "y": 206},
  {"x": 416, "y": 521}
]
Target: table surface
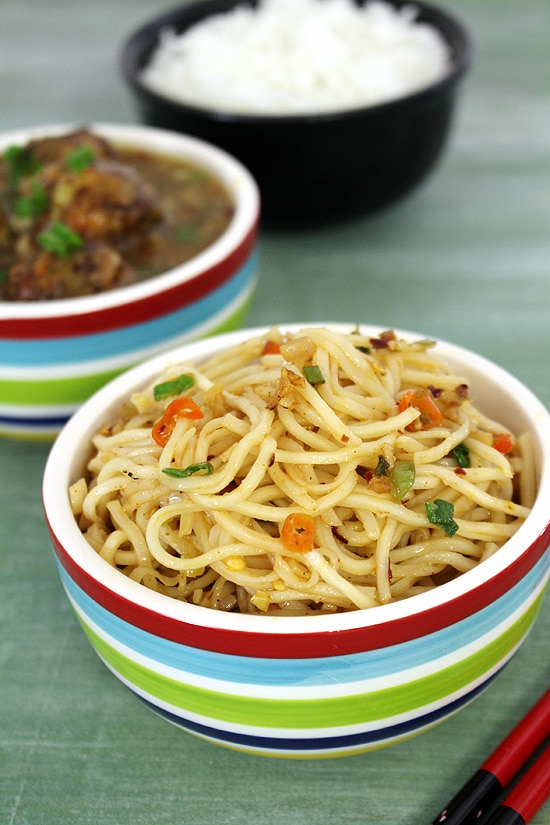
[{"x": 466, "y": 257}]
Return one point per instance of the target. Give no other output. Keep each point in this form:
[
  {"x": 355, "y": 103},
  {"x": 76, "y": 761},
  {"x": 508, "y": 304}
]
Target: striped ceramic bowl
[
  {"x": 55, "y": 354},
  {"x": 307, "y": 686}
]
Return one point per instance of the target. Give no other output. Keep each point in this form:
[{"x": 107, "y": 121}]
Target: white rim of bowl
[
  {"x": 65, "y": 461},
  {"x": 236, "y": 178}
]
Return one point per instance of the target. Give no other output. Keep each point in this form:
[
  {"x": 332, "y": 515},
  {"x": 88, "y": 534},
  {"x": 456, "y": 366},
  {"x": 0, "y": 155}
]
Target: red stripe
[
  {"x": 307, "y": 645},
  {"x": 134, "y": 312}
]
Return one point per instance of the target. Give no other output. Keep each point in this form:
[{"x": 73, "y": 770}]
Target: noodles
[{"x": 304, "y": 473}]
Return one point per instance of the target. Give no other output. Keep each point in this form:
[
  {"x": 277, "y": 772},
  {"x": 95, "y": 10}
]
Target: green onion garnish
[
  {"x": 441, "y": 513},
  {"x": 186, "y": 234},
  {"x": 382, "y": 467},
  {"x": 30, "y": 206},
  {"x": 173, "y": 387},
  {"x": 402, "y": 477},
  {"x": 314, "y": 375},
  {"x": 79, "y": 159},
  {"x": 206, "y": 468},
  {"x": 60, "y": 239},
  {"x": 20, "y": 162},
  {"x": 462, "y": 455}
]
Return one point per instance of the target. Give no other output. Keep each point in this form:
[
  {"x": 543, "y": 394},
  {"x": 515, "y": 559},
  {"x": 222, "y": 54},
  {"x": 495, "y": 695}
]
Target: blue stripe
[
  {"x": 137, "y": 337},
  {"x": 319, "y": 671},
  {"x": 34, "y": 422},
  {"x": 366, "y": 740}
]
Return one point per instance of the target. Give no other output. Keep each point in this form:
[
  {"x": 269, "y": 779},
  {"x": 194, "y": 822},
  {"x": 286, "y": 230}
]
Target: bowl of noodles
[
  {"x": 116, "y": 243},
  {"x": 305, "y": 541}
]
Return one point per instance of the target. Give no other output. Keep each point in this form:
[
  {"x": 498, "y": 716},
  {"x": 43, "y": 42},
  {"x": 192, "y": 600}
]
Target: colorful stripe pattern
[
  {"x": 311, "y": 707},
  {"x": 43, "y": 381},
  {"x": 311, "y": 645}
]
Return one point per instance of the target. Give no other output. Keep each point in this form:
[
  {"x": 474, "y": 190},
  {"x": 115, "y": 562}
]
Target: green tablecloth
[{"x": 466, "y": 257}]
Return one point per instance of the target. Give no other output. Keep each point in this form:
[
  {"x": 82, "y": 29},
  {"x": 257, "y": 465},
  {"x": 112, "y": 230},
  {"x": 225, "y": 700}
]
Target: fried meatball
[
  {"x": 107, "y": 201},
  {"x": 57, "y": 149},
  {"x": 94, "y": 268}
]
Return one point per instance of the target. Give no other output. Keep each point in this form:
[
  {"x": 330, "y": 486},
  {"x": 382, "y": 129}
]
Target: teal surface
[{"x": 465, "y": 257}]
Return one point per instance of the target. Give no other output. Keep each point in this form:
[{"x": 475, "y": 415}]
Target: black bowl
[{"x": 314, "y": 169}]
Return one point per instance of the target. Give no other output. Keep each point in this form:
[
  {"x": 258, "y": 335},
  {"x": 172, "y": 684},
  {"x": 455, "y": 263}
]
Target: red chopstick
[
  {"x": 488, "y": 782},
  {"x": 527, "y": 796}
]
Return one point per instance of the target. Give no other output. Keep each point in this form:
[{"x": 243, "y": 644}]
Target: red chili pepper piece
[
  {"x": 181, "y": 407},
  {"x": 503, "y": 443},
  {"x": 298, "y": 533},
  {"x": 407, "y": 400},
  {"x": 430, "y": 414}
]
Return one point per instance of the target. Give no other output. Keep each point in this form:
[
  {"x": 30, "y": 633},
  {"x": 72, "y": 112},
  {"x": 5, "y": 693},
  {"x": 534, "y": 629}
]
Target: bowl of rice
[
  {"x": 338, "y": 108},
  {"x": 118, "y": 242},
  {"x": 305, "y": 541}
]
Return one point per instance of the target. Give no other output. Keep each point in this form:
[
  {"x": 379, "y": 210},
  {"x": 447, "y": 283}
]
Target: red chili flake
[
  {"x": 379, "y": 343},
  {"x": 460, "y": 471},
  {"x": 337, "y": 535},
  {"x": 345, "y": 439}
]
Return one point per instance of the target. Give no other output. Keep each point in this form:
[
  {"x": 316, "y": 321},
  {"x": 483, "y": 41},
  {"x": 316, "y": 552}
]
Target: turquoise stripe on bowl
[
  {"x": 114, "y": 342},
  {"x": 278, "y": 711},
  {"x": 313, "y": 672}
]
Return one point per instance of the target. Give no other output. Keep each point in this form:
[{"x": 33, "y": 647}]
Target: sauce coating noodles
[{"x": 303, "y": 473}]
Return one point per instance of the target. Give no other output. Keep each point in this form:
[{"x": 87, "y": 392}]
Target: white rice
[{"x": 298, "y": 56}]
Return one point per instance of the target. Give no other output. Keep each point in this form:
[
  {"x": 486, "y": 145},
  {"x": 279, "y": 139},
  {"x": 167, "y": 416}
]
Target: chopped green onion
[
  {"x": 366, "y": 350},
  {"x": 462, "y": 455},
  {"x": 441, "y": 513},
  {"x": 20, "y": 162},
  {"x": 174, "y": 387},
  {"x": 382, "y": 467},
  {"x": 79, "y": 159},
  {"x": 30, "y": 206},
  {"x": 402, "y": 477},
  {"x": 60, "y": 239},
  {"x": 186, "y": 234},
  {"x": 314, "y": 375},
  {"x": 206, "y": 468}
]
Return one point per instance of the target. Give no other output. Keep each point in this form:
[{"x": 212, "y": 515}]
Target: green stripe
[
  {"x": 53, "y": 391},
  {"x": 34, "y": 437},
  {"x": 234, "y": 321},
  {"x": 67, "y": 391},
  {"x": 311, "y": 713}
]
